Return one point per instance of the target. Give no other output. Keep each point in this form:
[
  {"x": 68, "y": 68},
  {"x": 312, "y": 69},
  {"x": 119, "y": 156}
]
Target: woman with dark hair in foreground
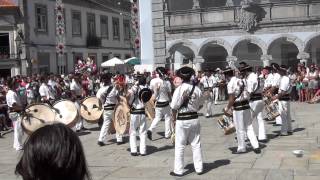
[{"x": 53, "y": 152}]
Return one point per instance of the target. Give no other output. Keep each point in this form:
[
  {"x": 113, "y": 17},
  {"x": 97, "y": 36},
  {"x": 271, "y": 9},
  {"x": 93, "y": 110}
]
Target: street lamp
[{"x": 18, "y": 41}]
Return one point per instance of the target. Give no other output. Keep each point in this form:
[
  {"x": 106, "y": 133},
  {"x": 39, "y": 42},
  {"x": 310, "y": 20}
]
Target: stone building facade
[
  {"x": 216, "y": 33},
  {"x": 99, "y": 29}
]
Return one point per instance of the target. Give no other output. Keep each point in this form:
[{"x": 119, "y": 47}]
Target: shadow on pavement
[
  {"x": 94, "y": 129},
  {"x": 249, "y": 148},
  {"x": 217, "y": 115},
  {"x": 83, "y": 133},
  {"x": 207, "y": 167}
]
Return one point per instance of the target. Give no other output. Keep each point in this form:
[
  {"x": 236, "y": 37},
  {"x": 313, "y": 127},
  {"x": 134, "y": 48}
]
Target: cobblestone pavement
[{"x": 274, "y": 163}]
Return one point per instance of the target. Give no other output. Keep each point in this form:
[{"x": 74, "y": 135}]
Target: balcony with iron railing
[{"x": 227, "y": 17}]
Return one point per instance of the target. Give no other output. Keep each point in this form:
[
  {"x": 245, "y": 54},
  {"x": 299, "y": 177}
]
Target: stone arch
[
  {"x": 309, "y": 40},
  {"x": 287, "y": 37},
  {"x": 183, "y": 42},
  {"x": 215, "y": 41},
  {"x": 252, "y": 39}
]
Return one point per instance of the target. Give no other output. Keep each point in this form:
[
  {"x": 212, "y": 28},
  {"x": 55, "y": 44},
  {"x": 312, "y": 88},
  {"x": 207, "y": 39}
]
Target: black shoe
[
  {"x": 78, "y": 130},
  {"x": 174, "y": 174},
  {"x": 134, "y": 154},
  {"x": 263, "y": 141},
  {"x": 120, "y": 143},
  {"x": 149, "y": 134},
  {"x": 257, "y": 151},
  {"x": 238, "y": 152},
  {"x": 200, "y": 173},
  {"x": 100, "y": 143},
  {"x": 85, "y": 129},
  {"x": 143, "y": 154},
  {"x": 290, "y": 133}
]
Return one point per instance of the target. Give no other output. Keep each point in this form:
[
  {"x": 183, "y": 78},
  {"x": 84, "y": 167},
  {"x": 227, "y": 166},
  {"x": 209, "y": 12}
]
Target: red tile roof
[{"x": 7, "y": 3}]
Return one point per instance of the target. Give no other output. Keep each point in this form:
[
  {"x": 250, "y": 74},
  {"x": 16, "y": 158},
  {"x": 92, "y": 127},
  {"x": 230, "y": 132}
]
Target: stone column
[
  {"x": 303, "y": 56},
  {"x": 232, "y": 61},
  {"x": 197, "y": 63},
  {"x": 266, "y": 60},
  {"x": 196, "y": 4}
]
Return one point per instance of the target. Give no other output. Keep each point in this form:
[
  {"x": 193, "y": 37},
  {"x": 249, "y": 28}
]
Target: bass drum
[
  {"x": 66, "y": 112},
  {"x": 36, "y": 116},
  {"x": 121, "y": 117},
  {"x": 91, "y": 109}
]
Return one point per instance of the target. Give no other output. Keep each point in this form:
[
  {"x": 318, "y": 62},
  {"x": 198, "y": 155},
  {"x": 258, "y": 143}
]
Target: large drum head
[
  {"x": 66, "y": 112},
  {"x": 91, "y": 109},
  {"x": 36, "y": 116},
  {"x": 121, "y": 118}
]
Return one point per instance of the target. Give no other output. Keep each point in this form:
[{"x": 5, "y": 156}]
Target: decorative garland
[
  {"x": 136, "y": 26},
  {"x": 60, "y": 29}
]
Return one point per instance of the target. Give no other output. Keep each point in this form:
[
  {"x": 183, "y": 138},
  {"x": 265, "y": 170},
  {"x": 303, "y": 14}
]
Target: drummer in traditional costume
[
  {"x": 15, "y": 107},
  {"x": 76, "y": 96},
  {"x": 109, "y": 95},
  {"x": 239, "y": 101},
  {"x": 255, "y": 88},
  {"x": 207, "y": 83},
  {"x": 186, "y": 102},
  {"x": 284, "y": 101},
  {"x": 161, "y": 88},
  {"x": 275, "y": 86},
  {"x": 137, "y": 96}
]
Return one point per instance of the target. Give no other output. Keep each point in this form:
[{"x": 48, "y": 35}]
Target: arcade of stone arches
[{"x": 211, "y": 53}]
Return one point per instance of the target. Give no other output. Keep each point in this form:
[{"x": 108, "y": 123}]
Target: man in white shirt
[
  {"x": 255, "y": 88},
  {"x": 138, "y": 117},
  {"x": 284, "y": 101},
  {"x": 76, "y": 96},
  {"x": 239, "y": 100},
  {"x": 162, "y": 92},
  {"x": 207, "y": 83},
  {"x": 15, "y": 107},
  {"x": 275, "y": 86},
  {"x": 109, "y": 96},
  {"x": 46, "y": 95},
  {"x": 186, "y": 102},
  {"x": 215, "y": 91}
]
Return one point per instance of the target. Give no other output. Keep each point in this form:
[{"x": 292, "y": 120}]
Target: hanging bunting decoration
[
  {"x": 60, "y": 28},
  {"x": 135, "y": 25}
]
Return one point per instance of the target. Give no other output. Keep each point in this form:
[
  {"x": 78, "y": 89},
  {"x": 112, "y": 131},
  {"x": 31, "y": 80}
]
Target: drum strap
[{"x": 186, "y": 100}]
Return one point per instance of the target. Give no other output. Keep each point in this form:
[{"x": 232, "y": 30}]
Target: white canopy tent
[{"x": 112, "y": 62}]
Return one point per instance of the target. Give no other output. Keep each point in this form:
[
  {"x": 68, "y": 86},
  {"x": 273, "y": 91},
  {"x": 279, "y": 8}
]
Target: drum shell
[
  {"x": 226, "y": 123},
  {"x": 40, "y": 115},
  {"x": 67, "y": 112},
  {"x": 91, "y": 109},
  {"x": 150, "y": 108}
]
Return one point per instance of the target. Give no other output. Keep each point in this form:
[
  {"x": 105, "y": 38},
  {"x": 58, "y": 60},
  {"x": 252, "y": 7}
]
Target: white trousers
[
  {"x": 187, "y": 131},
  {"x": 107, "y": 120},
  {"x": 257, "y": 119},
  {"x": 209, "y": 104},
  {"x": 138, "y": 123},
  {"x": 216, "y": 94},
  {"x": 163, "y": 112},
  {"x": 17, "y": 130},
  {"x": 243, "y": 123},
  {"x": 286, "y": 126},
  {"x": 79, "y": 124}
]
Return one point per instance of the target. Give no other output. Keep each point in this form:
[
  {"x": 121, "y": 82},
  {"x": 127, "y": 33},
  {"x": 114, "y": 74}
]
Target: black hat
[
  {"x": 243, "y": 63},
  {"x": 283, "y": 68},
  {"x": 227, "y": 70},
  {"x": 275, "y": 66},
  {"x": 185, "y": 73},
  {"x": 161, "y": 71},
  {"x": 245, "y": 68},
  {"x": 145, "y": 95}
]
